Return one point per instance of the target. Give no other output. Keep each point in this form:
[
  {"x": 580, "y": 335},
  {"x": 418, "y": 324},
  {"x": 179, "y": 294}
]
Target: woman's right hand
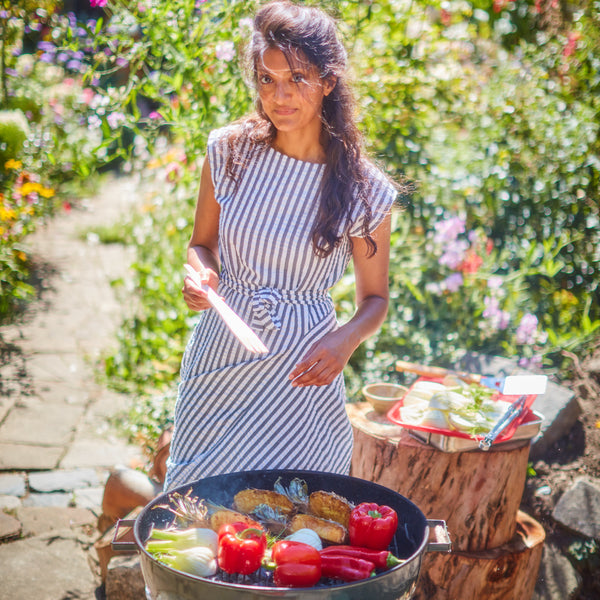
[{"x": 194, "y": 296}]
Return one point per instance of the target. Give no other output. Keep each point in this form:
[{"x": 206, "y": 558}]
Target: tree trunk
[
  {"x": 503, "y": 573},
  {"x": 477, "y": 493}
]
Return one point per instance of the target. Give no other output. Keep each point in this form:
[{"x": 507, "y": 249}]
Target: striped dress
[{"x": 235, "y": 410}]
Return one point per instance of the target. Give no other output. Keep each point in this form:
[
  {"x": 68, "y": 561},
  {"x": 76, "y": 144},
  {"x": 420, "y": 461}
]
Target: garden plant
[{"x": 489, "y": 108}]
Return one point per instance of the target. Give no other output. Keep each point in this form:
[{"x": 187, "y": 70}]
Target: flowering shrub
[{"x": 46, "y": 140}]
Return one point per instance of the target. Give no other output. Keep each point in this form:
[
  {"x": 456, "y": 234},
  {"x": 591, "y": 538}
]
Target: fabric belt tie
[
  {"x": 265, "y": 304},
  {"x": 267, "y": 301}
]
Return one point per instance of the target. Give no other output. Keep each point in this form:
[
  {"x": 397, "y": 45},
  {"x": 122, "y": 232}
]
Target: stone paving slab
[
  {"x": 65, "y": 480},
  {"x": 38, "y": 520},
  {"x": 9, "y": 527},
  {"x": 12, "y": 484},
  {"x": 56, "y": 499},
  {"x": 38, "y": 423},
  {"x": 47, "y": 567},
  {"x": 24, "y": 457}
]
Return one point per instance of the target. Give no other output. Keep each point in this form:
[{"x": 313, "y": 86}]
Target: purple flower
[
  {"x": 448, "y": 230},
  {"x": 454, "y": 254},
  {"x": 46, "y": 47},
  {"x": 497, "y": 318},
  {"x": 495, "y": 282},
  {"x": 526, "y": 330},
  {"x": 74, "y": 65},
  {"x": 453, "y": 282},
  {"x": 535, "y": 362}
]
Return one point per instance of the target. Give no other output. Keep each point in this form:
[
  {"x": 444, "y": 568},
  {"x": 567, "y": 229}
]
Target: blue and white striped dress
[{"x": 237, "y": 411}]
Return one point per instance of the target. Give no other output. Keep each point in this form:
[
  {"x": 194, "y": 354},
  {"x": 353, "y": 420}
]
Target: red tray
[{"x": 527, "y": 415}]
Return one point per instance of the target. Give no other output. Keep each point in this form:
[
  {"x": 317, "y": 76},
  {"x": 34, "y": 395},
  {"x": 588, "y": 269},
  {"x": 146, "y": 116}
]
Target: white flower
[{"x": 225, "y": 51}]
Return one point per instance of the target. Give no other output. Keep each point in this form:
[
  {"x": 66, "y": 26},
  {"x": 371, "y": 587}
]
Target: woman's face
[{"x": 291, "y": 93}]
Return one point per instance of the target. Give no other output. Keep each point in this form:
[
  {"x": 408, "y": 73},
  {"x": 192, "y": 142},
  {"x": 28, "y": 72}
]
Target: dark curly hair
[{"x": 309, "y": 32}]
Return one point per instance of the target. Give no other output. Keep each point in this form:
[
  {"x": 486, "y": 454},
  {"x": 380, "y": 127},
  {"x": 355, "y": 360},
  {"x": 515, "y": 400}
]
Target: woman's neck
[{"x": 301, "y": 147}]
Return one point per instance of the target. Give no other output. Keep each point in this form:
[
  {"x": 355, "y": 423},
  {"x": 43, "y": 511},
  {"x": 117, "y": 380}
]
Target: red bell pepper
[
  {"x": 296, "y": 564},
  {"x": 382, "y": 559},
  {"x": 241, "y": 548},
  {"x": 372, "y": 526},
  {"x": 346, "y": 568}
]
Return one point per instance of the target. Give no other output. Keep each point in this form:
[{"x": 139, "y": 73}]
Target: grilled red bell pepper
[
  {"x": 346, "y": 568},
  {"x": 382, "y": 559},
  {"x": 372, "y": 526},
  {"x": 296, "y": 564},
  {"x": 241, "y": 548}
]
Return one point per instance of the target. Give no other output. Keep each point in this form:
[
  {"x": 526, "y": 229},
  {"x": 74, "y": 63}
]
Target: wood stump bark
[{"x": 503, "y": 573}]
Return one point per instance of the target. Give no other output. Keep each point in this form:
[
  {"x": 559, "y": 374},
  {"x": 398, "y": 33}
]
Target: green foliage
[{"x": 13, "y": 133}]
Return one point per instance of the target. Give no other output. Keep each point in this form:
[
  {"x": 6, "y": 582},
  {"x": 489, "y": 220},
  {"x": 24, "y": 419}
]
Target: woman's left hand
[{"x": 324, "y": 361}]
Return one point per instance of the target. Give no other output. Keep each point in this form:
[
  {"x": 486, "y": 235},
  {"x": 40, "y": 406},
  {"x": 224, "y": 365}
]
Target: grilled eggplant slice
[
  {"x": 225, "y": 516},
  {"x": 248, "y": 500},
  {"x": 328, "y": 531},
  {"x": 329, "y": 505}
]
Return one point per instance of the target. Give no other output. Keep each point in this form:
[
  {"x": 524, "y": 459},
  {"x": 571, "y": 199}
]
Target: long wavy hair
[{"x": 308, "y": 32}]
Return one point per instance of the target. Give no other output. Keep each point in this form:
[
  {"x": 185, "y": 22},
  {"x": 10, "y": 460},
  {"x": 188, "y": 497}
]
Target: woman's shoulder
[{"x": 380, "y": 186}]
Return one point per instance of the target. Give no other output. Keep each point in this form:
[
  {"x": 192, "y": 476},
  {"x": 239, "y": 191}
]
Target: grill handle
[
  {"x": 441, "y": 536},
  {"x": 123, "y": 541}
]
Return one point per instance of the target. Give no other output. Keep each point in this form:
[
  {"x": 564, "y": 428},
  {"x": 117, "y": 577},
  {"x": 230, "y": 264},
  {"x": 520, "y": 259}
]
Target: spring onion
[
  {"x": 200, "y": 561},
  {"x": 165, "y": 540}
]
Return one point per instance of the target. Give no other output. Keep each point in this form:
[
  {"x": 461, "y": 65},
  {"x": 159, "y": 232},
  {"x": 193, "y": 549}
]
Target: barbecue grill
[{"x": 410, "y": 543}]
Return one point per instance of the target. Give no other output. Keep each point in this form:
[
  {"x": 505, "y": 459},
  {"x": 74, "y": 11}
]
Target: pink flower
[
  {"x": 98, "y": 3},
  {"x": 526, "y": 331}
]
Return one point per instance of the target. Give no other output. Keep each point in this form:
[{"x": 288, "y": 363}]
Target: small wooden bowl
[{"x": 382, "y": 396}]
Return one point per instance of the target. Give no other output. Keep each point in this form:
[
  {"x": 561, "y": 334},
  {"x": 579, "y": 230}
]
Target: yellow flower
[
  {"x": 46, "y": 192},
  {"x": 7, "y": 214},
  {"x": 13, "y": 164},
  {"x": 21, "y": 256}
]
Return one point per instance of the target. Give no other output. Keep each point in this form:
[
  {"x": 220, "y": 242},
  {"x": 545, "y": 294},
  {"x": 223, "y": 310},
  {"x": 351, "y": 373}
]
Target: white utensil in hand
[{"x": 241, "y": 331}]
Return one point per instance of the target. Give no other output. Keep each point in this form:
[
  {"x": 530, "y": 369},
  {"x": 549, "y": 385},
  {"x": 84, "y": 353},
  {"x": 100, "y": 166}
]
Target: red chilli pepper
[
  {"x": 346, "y": 568},
  {"x": 296, "y": 564},
  {"x": 382, "y": 559},
  {"x": 372, "y": 526},
  {"x": 241, "y": 548}
]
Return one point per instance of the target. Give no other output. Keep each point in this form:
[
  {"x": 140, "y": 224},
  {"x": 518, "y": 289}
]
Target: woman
[{"x": 286, "y": 199}]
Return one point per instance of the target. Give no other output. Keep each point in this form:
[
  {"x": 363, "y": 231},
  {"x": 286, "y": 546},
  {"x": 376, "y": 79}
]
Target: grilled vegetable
[
  {"x": 346, "y": 568},
  {"x": 297, "y": 492},
  {"x": 241, "y": 548},
  {"x": 296, "y": 564},
  {"x": 328, "y": 505},
  {"x": 200, "y": 561},
  {"x": 306, "y": 536},
  {"x": 225, "y": 516},
  {"x": 372, "y": 526},
  {"x": 382, "y": 559},
  {"x": 273, "y": 520},
  {"x": 328, "y": 531},
  {"x": 247, "y": 500},
  {"x": 166, "y": 540}
]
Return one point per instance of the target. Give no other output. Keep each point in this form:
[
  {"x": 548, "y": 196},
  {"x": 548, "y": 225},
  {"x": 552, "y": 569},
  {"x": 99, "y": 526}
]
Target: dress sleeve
[
  {"x": 382, "y": 197},
  {"x": 216, "y": 151}
]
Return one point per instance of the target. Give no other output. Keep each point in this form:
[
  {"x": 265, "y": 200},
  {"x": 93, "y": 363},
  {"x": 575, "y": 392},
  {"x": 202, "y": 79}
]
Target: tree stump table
[{"x": 495, "y": 547}]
